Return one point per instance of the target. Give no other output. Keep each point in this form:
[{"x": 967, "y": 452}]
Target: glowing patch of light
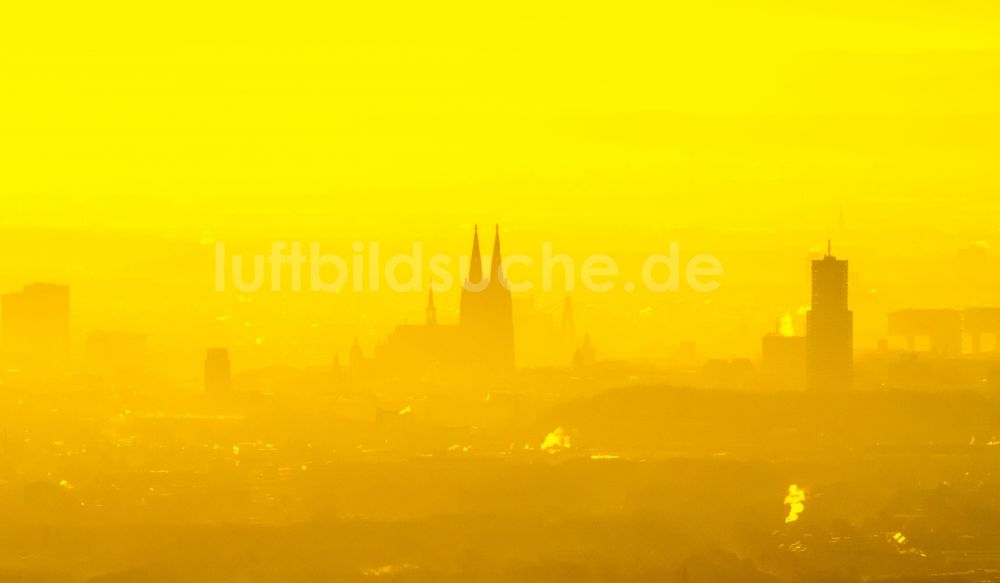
[
  {"x": 903, "y": 545},
  {"x": 786, "y": 327},
  {"x": 795, "y": 499},
  {"x": 556, "y": 440},
  {"x": 385, "y": 570}
]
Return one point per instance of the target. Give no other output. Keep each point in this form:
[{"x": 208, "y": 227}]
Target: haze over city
[{"x": 527, "y": 292}]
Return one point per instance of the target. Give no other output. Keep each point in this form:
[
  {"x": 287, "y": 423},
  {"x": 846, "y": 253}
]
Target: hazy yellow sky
[
  {"x": 131, "y": 130},
  {"x": 203, "y": 112}
]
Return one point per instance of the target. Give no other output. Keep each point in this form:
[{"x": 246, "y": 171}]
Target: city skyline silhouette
[{"x": 733, "y": 315}]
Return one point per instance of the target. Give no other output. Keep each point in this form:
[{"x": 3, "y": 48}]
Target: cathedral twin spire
[
  {"x": 476, "y": 262},
  {"x": 485, "y": 312}
]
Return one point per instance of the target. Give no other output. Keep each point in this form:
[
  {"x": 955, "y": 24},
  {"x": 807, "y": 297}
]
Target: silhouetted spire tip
[{"x": 475, "y": 261}]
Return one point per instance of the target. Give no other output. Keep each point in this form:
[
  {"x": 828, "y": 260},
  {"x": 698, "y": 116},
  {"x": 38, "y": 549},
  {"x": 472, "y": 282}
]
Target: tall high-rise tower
[
  {"x": 829, "y": 327},
  {"x": 486, "y": 311}
]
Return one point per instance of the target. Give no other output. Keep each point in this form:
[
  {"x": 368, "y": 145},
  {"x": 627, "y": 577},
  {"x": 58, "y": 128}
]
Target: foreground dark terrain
[{"x": 638, "y": 484}]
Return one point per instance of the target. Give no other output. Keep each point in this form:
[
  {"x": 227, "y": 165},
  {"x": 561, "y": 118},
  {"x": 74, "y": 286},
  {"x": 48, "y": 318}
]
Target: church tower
[
  {"x": 470, "y": 305},
  {"x": 486, "y": 311},
  {"x": 501, "y": 312},
  {"x": 432, "y": 318}
]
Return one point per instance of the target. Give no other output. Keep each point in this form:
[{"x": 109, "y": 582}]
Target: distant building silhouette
[
  {"x": 482, "y": 341},
  {"x": 942, "y": 327},
  {"x": 585, "y": 355},
  {"x": 431, "y": 312},
  {"x": 568, "y": 327},
  {"x": 979, "y": 321},
  {"x": 35, "y": 328},
  {"x": 421, "y": 348},
  {"x": 357, "y": 358},
  {"x": 945, "y": 329},
  {"x": 829, "y": 327},
  {"x": 486, "y": 312},
  {"x": 783, "y": 361},
  {"x": 218, "y": 372}
]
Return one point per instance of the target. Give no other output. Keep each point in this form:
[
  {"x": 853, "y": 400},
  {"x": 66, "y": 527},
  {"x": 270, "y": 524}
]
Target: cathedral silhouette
[{"x": 483, "y": 339}]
